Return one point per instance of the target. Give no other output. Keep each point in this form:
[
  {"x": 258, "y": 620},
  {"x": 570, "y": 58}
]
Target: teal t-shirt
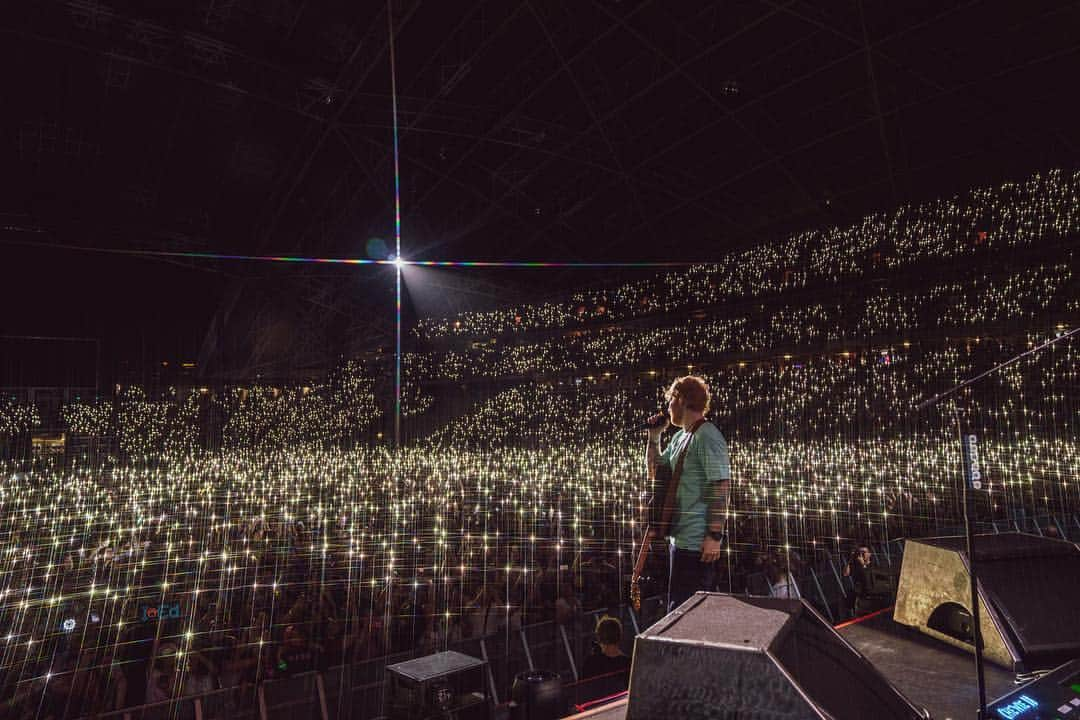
[{"x": 706, "y": 464}]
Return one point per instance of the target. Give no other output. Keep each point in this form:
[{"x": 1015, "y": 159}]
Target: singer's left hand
[{"x": 710, "y": 549}]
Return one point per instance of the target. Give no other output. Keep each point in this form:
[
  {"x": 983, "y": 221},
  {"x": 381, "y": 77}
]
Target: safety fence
[{"x": 356, "y": 691}]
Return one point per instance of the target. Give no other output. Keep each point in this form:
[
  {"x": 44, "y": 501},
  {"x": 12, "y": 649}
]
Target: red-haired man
[{"x": 699, "y": 518}]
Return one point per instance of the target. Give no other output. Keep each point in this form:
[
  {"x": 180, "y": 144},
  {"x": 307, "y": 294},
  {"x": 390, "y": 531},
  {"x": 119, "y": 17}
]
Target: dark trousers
[{"x": 688, "y": 575}]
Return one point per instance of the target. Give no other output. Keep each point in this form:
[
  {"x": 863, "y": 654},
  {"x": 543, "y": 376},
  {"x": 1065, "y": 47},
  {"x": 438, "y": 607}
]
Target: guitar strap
[{"x": 671, "y": 497}]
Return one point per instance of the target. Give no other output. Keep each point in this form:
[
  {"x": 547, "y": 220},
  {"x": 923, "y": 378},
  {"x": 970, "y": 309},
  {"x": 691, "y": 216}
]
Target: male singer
[{"x": 704, "y": 485}]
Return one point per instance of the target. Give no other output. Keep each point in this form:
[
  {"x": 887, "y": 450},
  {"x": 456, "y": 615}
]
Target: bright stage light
[{"x": 399, "y": 262}]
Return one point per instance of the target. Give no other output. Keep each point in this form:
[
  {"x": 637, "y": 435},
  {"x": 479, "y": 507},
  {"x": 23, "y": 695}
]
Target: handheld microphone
[{"x": 649, "y": 425}]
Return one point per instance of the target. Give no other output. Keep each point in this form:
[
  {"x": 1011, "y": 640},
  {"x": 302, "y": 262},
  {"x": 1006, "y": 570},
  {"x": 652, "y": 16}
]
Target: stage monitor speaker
[
  {"x": 444, "y": 685},
  {"x": 729, "y": 657},
  {"x": 1029, "y": 593}
]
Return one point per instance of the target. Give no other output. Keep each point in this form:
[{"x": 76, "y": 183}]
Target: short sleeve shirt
[{"x": 707, "y": 463}]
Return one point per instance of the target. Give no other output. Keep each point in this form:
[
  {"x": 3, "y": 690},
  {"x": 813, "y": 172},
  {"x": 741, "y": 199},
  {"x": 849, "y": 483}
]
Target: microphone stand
[
  {"x": 968, "y": 500},
  {"x": 1000, "y": 366}
]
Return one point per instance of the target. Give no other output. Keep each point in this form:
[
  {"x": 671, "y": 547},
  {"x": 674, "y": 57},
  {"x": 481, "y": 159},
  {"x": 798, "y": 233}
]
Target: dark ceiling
[{"x": 586, "y": 130}]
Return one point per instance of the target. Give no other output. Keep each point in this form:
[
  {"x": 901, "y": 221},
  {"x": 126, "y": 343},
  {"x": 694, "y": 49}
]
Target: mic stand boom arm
[{"x": 968, "y": 500}]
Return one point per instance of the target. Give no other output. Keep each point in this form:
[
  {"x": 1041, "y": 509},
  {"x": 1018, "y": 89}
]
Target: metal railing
[{"x": 356, "y": 690}]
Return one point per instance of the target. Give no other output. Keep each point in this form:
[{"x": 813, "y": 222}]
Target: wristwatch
[{"x": 717, "y": 535}]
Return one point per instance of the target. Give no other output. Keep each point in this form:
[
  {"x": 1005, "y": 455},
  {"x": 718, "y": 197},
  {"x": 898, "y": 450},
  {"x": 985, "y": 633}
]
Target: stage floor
[
  {"x": 937, "y": 676},
  {"x": 931, "y": 674}
]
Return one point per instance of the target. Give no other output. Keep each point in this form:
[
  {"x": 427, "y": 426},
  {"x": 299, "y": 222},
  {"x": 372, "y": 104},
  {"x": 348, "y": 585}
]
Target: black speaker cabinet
[
  {"x": 1029, "y": 596},
  {"x": 740, "y": 658},
  {"x": 446, "y": 685}
]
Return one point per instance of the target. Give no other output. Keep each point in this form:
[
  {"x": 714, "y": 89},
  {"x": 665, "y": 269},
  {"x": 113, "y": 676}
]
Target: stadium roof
[{"x": 581, "y": 131}]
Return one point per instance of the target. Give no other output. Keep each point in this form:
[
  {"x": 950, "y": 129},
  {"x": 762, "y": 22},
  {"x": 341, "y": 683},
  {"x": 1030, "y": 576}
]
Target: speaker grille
[
  {"x": 835, "y": 676},
  {"x": 1040, "y": 600},
  {"x": 720, "y": 656}
]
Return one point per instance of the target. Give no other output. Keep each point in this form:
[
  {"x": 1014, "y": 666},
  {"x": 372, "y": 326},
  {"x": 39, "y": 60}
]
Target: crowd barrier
[{"x": 356, "y": 691}]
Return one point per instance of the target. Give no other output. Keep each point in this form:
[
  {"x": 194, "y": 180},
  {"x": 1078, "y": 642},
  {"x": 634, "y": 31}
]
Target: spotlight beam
[
  {"x": 402, "y": 263},
  {"x": 397, "y": 261},
  {"x": 543, "y": 264}
]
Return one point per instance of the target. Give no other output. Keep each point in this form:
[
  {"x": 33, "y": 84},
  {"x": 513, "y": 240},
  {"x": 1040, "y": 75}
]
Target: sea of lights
[
  {"x": 498, "y": 499},
  {"x": 530, "y": 488},
  {"x": 1042, "y": 211}
]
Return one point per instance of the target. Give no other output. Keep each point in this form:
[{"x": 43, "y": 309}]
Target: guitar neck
[{"x": 643, "y": 554}]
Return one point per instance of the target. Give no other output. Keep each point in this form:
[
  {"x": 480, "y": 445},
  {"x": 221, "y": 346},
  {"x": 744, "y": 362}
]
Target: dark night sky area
[
  {"x": 140, "y": 310},
  {"x": 584, "y": 131}
]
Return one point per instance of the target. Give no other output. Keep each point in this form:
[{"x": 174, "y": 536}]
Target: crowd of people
[
  {"x": 1040, "y": 211},
  {"x": 246, "y": 564},
  {"x": 1013, "y": 298},
  {"x": 223, "y": 537},
  {"x": 134, "y": 584},
  {"x": 17, "y": 418}
]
